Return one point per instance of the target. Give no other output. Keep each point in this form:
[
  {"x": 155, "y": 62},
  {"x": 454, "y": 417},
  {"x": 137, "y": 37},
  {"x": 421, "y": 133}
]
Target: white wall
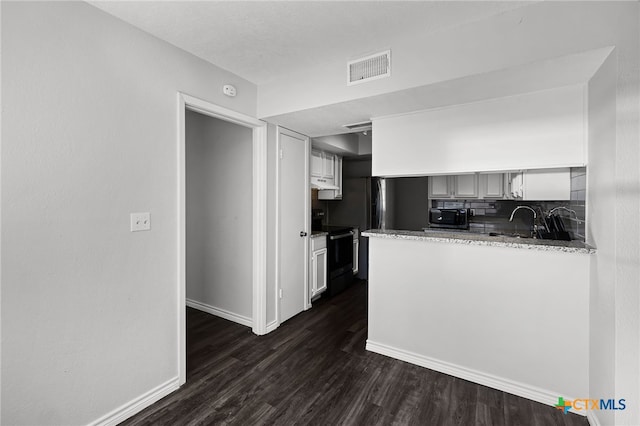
[
  {"x": 89, "y": 109},
  {"x": 219, "y": 215},
  {"x": 508, "y": 318},
  {"x": 272, "y": 224},
  {"x": 364, "y": 143},
  {"x": 627, "y": 311},
  {"x": 613, "y": 190},
  {"x": 529, "y": 131},
  {"x": 343, "y": 144},
  {"x": 601, "y": 233}
]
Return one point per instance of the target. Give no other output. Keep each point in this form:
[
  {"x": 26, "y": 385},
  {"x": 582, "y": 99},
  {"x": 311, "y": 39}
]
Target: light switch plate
[{"x": 140, "y": 221}]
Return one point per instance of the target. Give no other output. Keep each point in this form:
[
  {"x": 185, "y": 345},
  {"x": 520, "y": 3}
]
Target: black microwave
[{"x": 449, "y": 218}]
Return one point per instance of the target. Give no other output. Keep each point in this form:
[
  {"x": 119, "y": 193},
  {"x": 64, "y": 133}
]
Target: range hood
[{"x": 317, "y": 183}]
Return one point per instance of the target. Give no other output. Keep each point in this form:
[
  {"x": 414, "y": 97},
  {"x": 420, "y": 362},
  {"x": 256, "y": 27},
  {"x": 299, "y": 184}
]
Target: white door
[{"x": 294, "y": 207}]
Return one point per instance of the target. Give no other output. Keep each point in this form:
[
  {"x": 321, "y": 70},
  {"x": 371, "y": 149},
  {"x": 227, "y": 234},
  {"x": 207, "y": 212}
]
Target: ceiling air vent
[
  {"x": 358, "y": 127},
  {"x": 369, "y": 68}
]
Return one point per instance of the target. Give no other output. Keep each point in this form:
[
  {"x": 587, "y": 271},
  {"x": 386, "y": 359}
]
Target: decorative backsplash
[{"x": 493, "y": 215}]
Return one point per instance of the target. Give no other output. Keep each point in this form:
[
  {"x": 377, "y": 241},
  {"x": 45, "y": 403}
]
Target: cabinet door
[
  {"x": 516, "y": 186},
  {"x": 319, "y": 271},
  {"x": 466, "y": 186},
  {"x": 338, "y": 178},
  {"x": 334, "y": 194},
  {"x": 329, "y": 166},
  {"x": 316, "y": 163},
  {"x": 548, "y": 184},
  {"x": 439, "y": 187},
  {"x": 492, "y": 185},
  {"x": 356, "y": 247}
]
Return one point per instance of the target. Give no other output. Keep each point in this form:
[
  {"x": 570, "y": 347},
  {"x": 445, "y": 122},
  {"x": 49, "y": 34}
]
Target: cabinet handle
[
  {"x": 338, "y": 237},
  {"x": 303, "y": 234}
]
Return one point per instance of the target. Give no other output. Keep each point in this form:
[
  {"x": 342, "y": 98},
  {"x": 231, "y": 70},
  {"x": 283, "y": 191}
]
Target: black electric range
[
  {"x": 335, "y": 229},
  {"x": 339, "y": 258}
]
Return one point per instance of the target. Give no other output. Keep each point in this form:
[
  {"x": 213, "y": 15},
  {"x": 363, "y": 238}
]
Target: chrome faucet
[
  {"x": 563, "y": 208},
  {"x": 578, "y": 221},
  {"x": 535, "y": 225}
]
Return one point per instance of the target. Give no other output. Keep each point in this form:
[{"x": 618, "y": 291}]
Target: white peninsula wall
[{"x": 514, "y": 319}]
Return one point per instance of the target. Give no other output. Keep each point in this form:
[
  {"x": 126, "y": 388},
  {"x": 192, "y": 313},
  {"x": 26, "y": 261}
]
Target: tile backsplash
[{"x": 493, "y": 215}]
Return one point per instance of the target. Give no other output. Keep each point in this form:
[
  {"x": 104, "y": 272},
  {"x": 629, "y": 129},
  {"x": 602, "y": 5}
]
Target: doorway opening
[{"x": 194, "y": 110}]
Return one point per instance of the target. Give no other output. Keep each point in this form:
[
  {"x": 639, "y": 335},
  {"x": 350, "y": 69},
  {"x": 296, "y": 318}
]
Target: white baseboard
[
  {"x": 138, "y": 404},
  {"x": 520, "y": 389},
  {"x": 222, "y": 313},
  {"x": 592, "y": 419},
  {"x": 272, "y": 326}
]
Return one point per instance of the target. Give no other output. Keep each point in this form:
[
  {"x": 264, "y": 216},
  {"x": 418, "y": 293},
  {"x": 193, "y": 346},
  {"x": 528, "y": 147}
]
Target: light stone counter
[{"x": 465, "y": 237}]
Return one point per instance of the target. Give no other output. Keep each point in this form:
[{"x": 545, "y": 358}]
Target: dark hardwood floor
[{"x": 314, "y": 370}]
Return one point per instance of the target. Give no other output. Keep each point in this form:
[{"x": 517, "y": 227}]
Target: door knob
[{"x": 303, "y": 234}]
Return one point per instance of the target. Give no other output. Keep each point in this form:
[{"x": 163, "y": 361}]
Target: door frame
[
  {"x": 259, "y": 216},
  {"x": 307, "y": 221}
]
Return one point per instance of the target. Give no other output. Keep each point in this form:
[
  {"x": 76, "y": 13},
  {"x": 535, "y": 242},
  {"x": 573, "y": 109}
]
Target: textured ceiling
[{"x": 260, "y": 40}]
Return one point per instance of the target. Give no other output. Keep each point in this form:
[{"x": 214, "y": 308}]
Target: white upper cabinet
[
  {"x": 459, "y": 186},
  {"x": 528, "y": 185},
  {"x": 516, "y": 185},
  {"x": 540, "y": 185},
  {"x": 537, "y": 130},
  {"x": 334, "y": 194},
  {"x": 323, "y": 164},
  {"x": 317, "y": 163},
  {"x": 465, "y": 186},
  {"x": 439, "y": 187},
  {"x": 491, "y": 185},
  {"x": 552, "y": 185},
  {"x": 328, "y": 168}
]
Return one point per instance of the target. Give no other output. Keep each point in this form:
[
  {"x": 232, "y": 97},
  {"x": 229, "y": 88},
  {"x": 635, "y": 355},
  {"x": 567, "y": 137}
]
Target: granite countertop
[
  {"x": 465, "y": 237},
  {"x": 315, "y": 234}
]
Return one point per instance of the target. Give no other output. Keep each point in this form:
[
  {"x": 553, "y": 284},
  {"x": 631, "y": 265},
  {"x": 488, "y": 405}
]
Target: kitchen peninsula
[
  {"x": 504, "y": 312},
  {"x": 471, "y": 238}
]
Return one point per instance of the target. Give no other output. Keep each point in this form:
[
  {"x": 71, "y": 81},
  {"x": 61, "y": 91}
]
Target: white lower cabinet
[
  {"x": 356, "y": 248},
  {"x": 318, "y": 265}
]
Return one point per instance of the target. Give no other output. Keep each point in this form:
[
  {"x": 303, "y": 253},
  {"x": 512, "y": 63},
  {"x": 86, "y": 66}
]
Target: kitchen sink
[{"x": 512, "y": 235}]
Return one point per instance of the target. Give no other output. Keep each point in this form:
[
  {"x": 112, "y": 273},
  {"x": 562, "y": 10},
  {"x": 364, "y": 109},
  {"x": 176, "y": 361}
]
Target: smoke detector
[{"x": 372, "y": 67}]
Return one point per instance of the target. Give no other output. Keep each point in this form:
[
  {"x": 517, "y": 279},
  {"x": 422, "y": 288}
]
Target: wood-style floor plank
[{"x": 314, "y": 370}]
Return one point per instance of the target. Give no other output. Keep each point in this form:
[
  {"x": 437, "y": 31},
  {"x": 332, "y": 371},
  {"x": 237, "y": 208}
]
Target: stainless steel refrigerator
[
  {"x": 368, "y": 204},
  {"x": 382, "y": 203}
]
